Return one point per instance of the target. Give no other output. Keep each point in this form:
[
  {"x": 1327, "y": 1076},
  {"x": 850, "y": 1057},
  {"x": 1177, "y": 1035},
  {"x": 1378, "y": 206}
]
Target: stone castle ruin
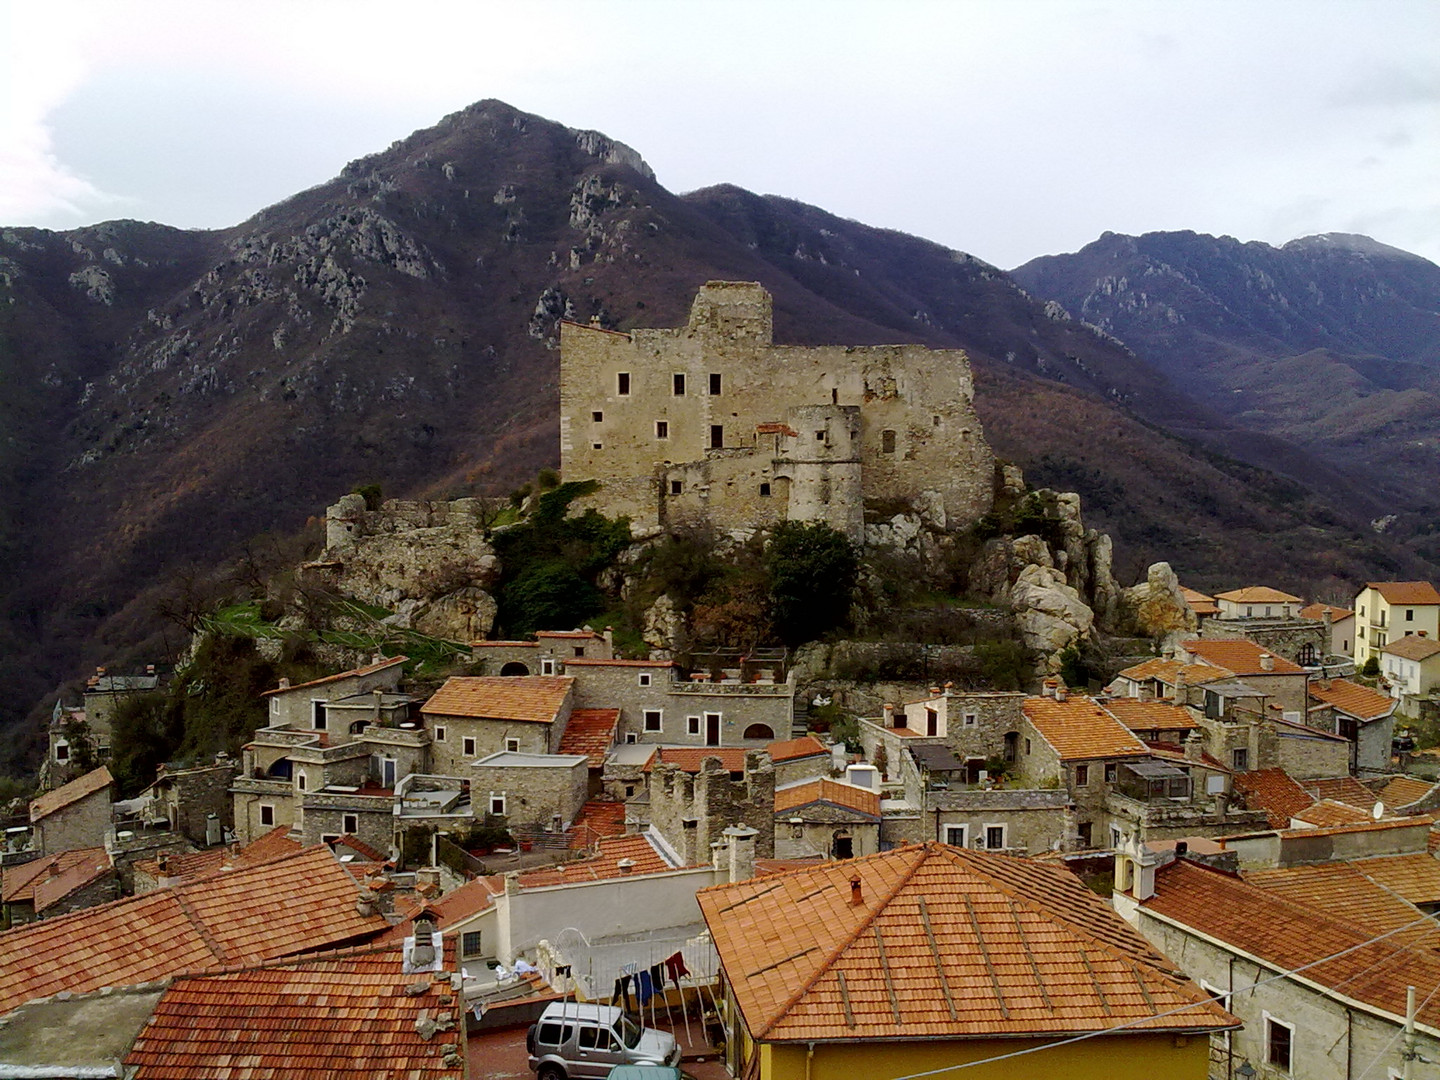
[{"x": 713, "y": 423}]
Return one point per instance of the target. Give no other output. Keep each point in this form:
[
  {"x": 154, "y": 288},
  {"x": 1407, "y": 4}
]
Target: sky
[{"x": 1007, "y": 129}]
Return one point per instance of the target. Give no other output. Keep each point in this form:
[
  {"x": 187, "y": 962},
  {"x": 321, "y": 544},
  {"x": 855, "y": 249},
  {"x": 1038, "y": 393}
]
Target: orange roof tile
[
  {"x": 1166, "y": 670},
  {"x": 1257, "y": 594},
  {"x": 304, "y": 902},
  {"x": 181, "y": 868},
  {"x": 273, "y": 845},
  {"x": 766, "y": 867},
  {"x": 1140, "y": 715},
  {"x": 604, "y": 864},
  {"x": 1342, "y": 889},
  {"x": 1079, "y": 729},
  {"x": 589, "y": 635},
  {"x": 535, "y": 699},
  {"x": 341, "y": 1016},
  {"x": 1352, "y": 699},
  {"x": 1240, "y": 657},
  {"x": 1415, "y": 877},
  {"x": 861, "y": 800},
  {"x": 368, "y": 669},
  {"x": 1331, "y": 812},
  {"x": 77, "y": 789},
  {"x": 52, "y": 889},
  {"x": 504, "y": 645},
  {"x": 944, "y": 943},
  {"x": 1317, "y": 612},
  {"x": 1199, "y": 602},
  {"x": 456, "y": 906},
  {"x": 1275, "y": 792},
  {"x": 355, "y": 844},
  {"x": 598, "y": 818},
  {"x": 1413, "y": 647},
  {"x": 1345, "y": 789},
  {"x": 590, "y": 732},
  {"x": 794, "y": 749},
  {"x": 1420, "y": 593},
  {"x": 17, "y": 883},
  {"x": 1404, "y": 790},
  {"x": 689, "y": 758},
  {"x": 1288, "y": 935}
]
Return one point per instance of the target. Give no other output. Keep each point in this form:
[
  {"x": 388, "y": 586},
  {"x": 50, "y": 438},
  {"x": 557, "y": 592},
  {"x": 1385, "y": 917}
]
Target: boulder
[
  {"x": 664, "y": 626},
  {"x": 1156, "y": 607},
  {"x": 465, "y": 615},
  {"x": 1049, "y": 613}
]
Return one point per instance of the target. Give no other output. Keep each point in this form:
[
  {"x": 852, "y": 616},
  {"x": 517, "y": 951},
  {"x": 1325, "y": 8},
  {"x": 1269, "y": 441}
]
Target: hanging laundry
[
  {"x": 675, "y": 965},
  {"x": 645, "y": 987},
  {"x": 621, "y": 996}
]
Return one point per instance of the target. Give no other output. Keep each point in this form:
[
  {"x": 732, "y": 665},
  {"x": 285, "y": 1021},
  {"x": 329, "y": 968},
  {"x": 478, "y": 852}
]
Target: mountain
[
  {"x": 1329, "y": 342},
  {"x": 169, "y": 394}
]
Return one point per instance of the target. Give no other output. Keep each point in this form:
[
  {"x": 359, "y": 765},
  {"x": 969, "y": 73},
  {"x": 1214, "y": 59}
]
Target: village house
[
  {"x": 1203, "y": 606},
  {"x": 693, "y": 795},
  {"x": 1280, "y": 680},
  {"x": 351, "y": 694},
  {"x": 930, "y": 956},
  {"x": 195, "y": 802},
  {"x": 1257, "y": 602},
  {"x": 546, "y": 655},
  {"x": 1411, "y": 666},
  {"x": 1341, "y": 622},
  {"x": 543, "y": 792},
  {"x": 826, "y": 818},
  {"x": 92, "y": 723},
  {"x": 56, "y": 885},
  {"x": 76, "y": 815},
  {"x": 474, "y": 716},
  {"x": 1386, "y": 610},
  {"x": 1365, "y": 718}
]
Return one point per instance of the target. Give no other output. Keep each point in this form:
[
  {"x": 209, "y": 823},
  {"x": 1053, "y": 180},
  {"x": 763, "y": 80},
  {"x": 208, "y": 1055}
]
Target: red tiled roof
[
  {"x": 944, "y": 943},
  {"x": 1317, "y": 612},
  {"x": 51, "y": 890},
  {"x": 535, "y": 699},
  {"x": 455, "y": 906},
  {"x": 794, "y": 749},
  {"x": 597, "y": 662},
  {"x": 830, "y": 791},
  {"x": 604, "y": 864},
  {"x": 598, "y": 818},
  {"x": 355, "y": 844},
  {"x": 77, "y": 789},
  {"x": 304, "y": 902},
  {"x": 589, "y": 635},
  {"x": 1345, "y": 789},
  {"x": 1414, "y": 877},
  {"x": 1199, "y": 602},
  {"x": 1404, "y": 790},
  {"x": 1353, "y": 699},
  {"x": 342, "y": 1016},
  {"x": 1413, "y": 647},
  {"x": 766, "y": 867},
  {"x": 689, "y": 758},
  {"x": 1332, "y": 812},
  {"x": 504, "y": 645},
  {"x": 1140, "y": 715},
  {"x": 17, "y": 883},
  {"x": 1079, "y": 729},
  {"x": 181, "y": 868},
  {"x": 1342, "y": 889},
  {"x": 1275, "y": 792},
  {"x": 1240, "y": 657},
  {"x": 1165, "y": 670},
  {"x": 590, "y": 732},
  {"x": 369, "y": 669},
  {"x": 1419, "y": 593},
  {"x": 1257, "y": 594}
]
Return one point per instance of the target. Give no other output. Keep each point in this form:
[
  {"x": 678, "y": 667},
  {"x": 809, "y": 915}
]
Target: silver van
[{"x": 573, "y": 1040}]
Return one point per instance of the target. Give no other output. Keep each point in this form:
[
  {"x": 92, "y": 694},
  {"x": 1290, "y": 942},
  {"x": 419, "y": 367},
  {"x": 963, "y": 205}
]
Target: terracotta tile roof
[
  {"x": 1345, "y": 789},
  {"x": 604, "y": 864},
  {"x": 1330, "y": 812},
  {"x": 536, "y": 699},
  {"x": 1140, "y": 715},
  {"x": 368, "y": 669},
  {"x": 1414, "y": 877},
  {"x": 1013, "y": 947},
  {"x": 1317, "y": 612},
  {"x": 1287, "y": 935},
  {"x": 1413, "y": 647},
  {"x": 455, "y": 906},
  {"x": 1342, "y": 890},
  {"x": 180, "y": 868},
  {"x": 1166, "y": 670},
  {"x": 597, "y": 819},
  {"x": 1406, "y": 592},
  {"x": 77, "y": 789},
  {"x": 343, "y": 1016},
  {"x": 689, "y": 758},
  {"x": 588, "y": 635},
  {"x": 17, "y": 883},
  {"x": 590, "y": 732},
  {"x": 1275, "y": 792},
  {"x": 1257, "y": 594},
  {"x": 794, "y": 749},
  {"x": 1239, "y": 657},
  {"x": 187, "y": 865},
  {"x": 789, "y": 799},
  {"x": 774, "y": 428},
  {"x": 1404, "y": 790},
  {"x": 274, "y": 844},
  {"x": 304, "y": 902},
  {"x": 364, "y": 850},
  {"x": 1352, "y": 699},
  {"x": 596, "y": 662},
  {"x": 50, "y": 890},
  {"x": 1199, "y": 602},
  {"x": 766, "y": 867},
  {"x": 1079, "y": 729}
]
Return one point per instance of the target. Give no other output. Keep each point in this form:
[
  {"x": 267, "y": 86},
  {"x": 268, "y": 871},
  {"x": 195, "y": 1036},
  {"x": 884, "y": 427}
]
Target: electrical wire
[{"x": 1379, "y": 1056}]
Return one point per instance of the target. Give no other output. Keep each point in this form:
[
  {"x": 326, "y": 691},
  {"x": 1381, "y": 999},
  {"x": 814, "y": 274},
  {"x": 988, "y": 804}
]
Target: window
[
  {"x": 1240, "y": 758},
  {"x": 643, "y": 679},
  {"x": 676, "y": 487},
  {"x": 512, "y": 746},
  {"x": 597, "y": 416},
  {"x": 467, "y": 746},
  {"x": 819, "y": 436},
  {"x": 317, "y": 714},
  {"x": 678, "y": 384},
  {"x": 267, "y": 814},
  {"x": 692, "y": 725},
  {"x": 764, "y": 491},
  {"x": 470, "y": 943},
  {"x": 934, "y": 421},
  {"x": 994, "y": 837},
  {"x": 1086, "y": 829},
  {"x": 1409, "y": 614},
  {"x": 1027, "y": 747},
  {"x": 440, "y": 733},
  {"x": 1082, "y": 775},
  {"x": 350, "y": 823},
  {"x": 971, "y": 719},
  {"x": 958, "y": 835},
  {"x": 631, "y": 737},
  {"x": 887, "y": 441},
  {"x": 595, "y": 446},
  {"x": 300, "y": 779},
  {"x": 759, "y": 731},
  {"x": 622, "y": 383},
  {"x": 1110, "y": 772},
  {"x": 62, "y": 752},
  {"x": 662, "y": 429},
  {"x": 497, "y": 804},
  {"x": 1116, "y": 836},
  {"x": 1279, "y": 1043},
  {"x": 715, "y": 383},
  {"x": 717, "y": 436},
  {"x": 554, "y": 1034},
  {"x": 653, "y": 720},
  {"x": 547, "y": 666},
  {"x": 274, "y": 706},
  {"x": 579, "y": 650}
]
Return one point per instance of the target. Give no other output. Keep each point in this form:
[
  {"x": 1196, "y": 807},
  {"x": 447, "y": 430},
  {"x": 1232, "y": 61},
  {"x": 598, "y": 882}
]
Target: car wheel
[{"x": 550, "y": 1072}]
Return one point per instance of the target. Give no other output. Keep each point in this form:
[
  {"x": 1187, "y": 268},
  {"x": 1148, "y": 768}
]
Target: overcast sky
[{"x": 1007, "y": 129}]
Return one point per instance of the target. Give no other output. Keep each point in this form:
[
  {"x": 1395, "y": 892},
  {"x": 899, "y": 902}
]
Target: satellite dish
[{"x": 1378, "y": 812}]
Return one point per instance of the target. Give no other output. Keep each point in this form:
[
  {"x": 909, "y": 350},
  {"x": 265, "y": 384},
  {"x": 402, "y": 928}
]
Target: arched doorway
[
  {"x": 514, "y": 667},
  {"x": 759, "y": 731}
]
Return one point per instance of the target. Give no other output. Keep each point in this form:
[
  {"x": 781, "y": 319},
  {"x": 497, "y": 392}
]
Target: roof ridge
[
  {"x": 200, "y": 928},
  {"x": 923, "y": 850}
]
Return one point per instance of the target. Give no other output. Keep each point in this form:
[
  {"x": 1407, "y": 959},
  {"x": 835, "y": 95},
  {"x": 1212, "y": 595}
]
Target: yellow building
[
  {"x": 929, "y": 957},
  {"x": 1386, "y": 611}
]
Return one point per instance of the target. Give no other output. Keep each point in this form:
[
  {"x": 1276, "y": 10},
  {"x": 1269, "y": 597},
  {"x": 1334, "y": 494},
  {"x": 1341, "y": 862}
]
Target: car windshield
[{"x": 629, "y": 1032}]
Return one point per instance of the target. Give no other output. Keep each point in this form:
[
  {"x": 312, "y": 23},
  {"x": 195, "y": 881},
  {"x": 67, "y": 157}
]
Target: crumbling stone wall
[
  {"x": 1297, "y": 640},
  {"x": 189, "y": 796},
  {"x": 691, "y": 812}
]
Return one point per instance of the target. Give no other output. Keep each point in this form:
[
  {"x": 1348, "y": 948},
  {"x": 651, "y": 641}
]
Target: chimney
[
  {"x": 742, "y": 851},
  {"x": 1222, "y": 805},
  {"x": 1267, "y": 662},
  {"x": 149, "y": 669},
  {"x": 889, "y": 711},
  {"x": 857, "y": 894},
  {"x": 949, "y": 688},
  {"x": 625, "y": 866},
  {"x": 1061, "y": 692},
  {"x": 53, "y": 870},
  {"x": 379, "y": 698},
  {"x": 284, "y": 684},
  {"x": 719, "y": 855},
  {"x": 1181, "y": 849},
  {"x": 1424, "y": 633},
  {"x": 1194, "y": 746},
  {"x": 422, "y": 952},
  {"x": 609, "y": 636},
  {"x": 162, "y": 861},
  {"x": 934, "y": 691}
]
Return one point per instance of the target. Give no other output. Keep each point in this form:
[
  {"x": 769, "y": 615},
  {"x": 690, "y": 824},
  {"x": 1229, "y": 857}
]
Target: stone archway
[{"x": 514, "y": 667}]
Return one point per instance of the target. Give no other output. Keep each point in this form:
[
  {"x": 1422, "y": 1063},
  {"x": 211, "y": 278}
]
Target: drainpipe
[{"x": 809, "y": 1056}]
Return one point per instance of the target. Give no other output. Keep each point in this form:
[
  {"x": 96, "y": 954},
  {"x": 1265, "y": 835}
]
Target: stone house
[
  {"x": 1363, "y": 717},
  {"x": 530, "y": 791},
  {"x": 471, "y": 717},
  {"x": 1204, "y": 606},
  {"x": 306, "y": 706},
  {"x": 1278, "y": 679},
  {"x": 692, "y": 809},
  {"x": 1257, "y": 602},
  {"x": 56, "y": 885},
  {"x": 1160, "y": 678},
  {"x": 74, "y": 816},
  {"x": 714, "y": 423},
  {"x": 805, "y": 758},
  {"x": 105, "y": 693},
  {"x": 1411, "y": 665},
  {"x": 1386, "y": 610},
  {"x": 1340, "y": 623},
  {"x": 827, "y": 818},
  {"x": 1018, "y": 821},
  {"x": 546, "y": 655},
  {"x": 197, "y": 801}
]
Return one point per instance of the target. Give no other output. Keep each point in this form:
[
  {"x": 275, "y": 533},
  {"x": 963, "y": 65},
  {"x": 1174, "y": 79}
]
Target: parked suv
[{"x": 574, "y": 1040}]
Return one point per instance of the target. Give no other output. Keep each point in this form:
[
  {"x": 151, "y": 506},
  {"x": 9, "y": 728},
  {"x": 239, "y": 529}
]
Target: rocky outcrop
[
  {"x": 1156, "y": 607},
  {"x": 664, "y": 628},
  {"x": 1050, "y": 614}
]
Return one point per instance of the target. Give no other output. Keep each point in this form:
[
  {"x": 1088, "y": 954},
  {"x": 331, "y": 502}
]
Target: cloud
[{"x": 1390, "y": 87}]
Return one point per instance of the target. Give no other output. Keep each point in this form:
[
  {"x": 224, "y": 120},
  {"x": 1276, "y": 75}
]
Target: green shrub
[{"x": 812, "y": 570}]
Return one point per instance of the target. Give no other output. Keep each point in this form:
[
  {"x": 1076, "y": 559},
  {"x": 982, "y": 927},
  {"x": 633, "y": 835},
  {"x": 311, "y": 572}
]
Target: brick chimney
[
  {"x": 1267, "y": 662},
  {"x": 284, "y": 683},
  {"x": 857, "y": 894},
  {"x": 422, "y": 952}
]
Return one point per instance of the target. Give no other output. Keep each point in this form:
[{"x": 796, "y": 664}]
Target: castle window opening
[
  {"x": 579, "y": 650},
  {"x": 317, "y": 714},
  {"x": 597, "y": 416},
  {"x": 679, "y": 384},
  {"x": 819, "y": 436},
  {"x": 834, "y": 396},
  {"x": 467, "y": 746},
  {"x": 764, "y": 491},
  {"x": 595, "y": 446},
  {"x": 676, "y": 487},
  {"x": 662, "y": 429},
  {"x": 654, "y": 720},
  {"x": 760, "y": 731},
  {"x": 267, "y": 814},
  {"x": 935, "y": 421},
  {"x": 350, "y": 823},
  {"x": 887, "y": 441},
  {"x": 717, "y": 436},
  {"x": 62, "y": 752},
  {"x": 644, "y": 679},
  {"x": 692, "y": 725},
  {"x": 622, "y": 383},
  {"x": 715, "y": 384}
]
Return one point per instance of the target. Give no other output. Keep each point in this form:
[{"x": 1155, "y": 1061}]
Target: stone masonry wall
[
  {"x": 713, "y": 802},
  {"x": 191, "y": 795},
  {"x": 533, "y": 794},
  {"x": 82, "y": 824}
]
